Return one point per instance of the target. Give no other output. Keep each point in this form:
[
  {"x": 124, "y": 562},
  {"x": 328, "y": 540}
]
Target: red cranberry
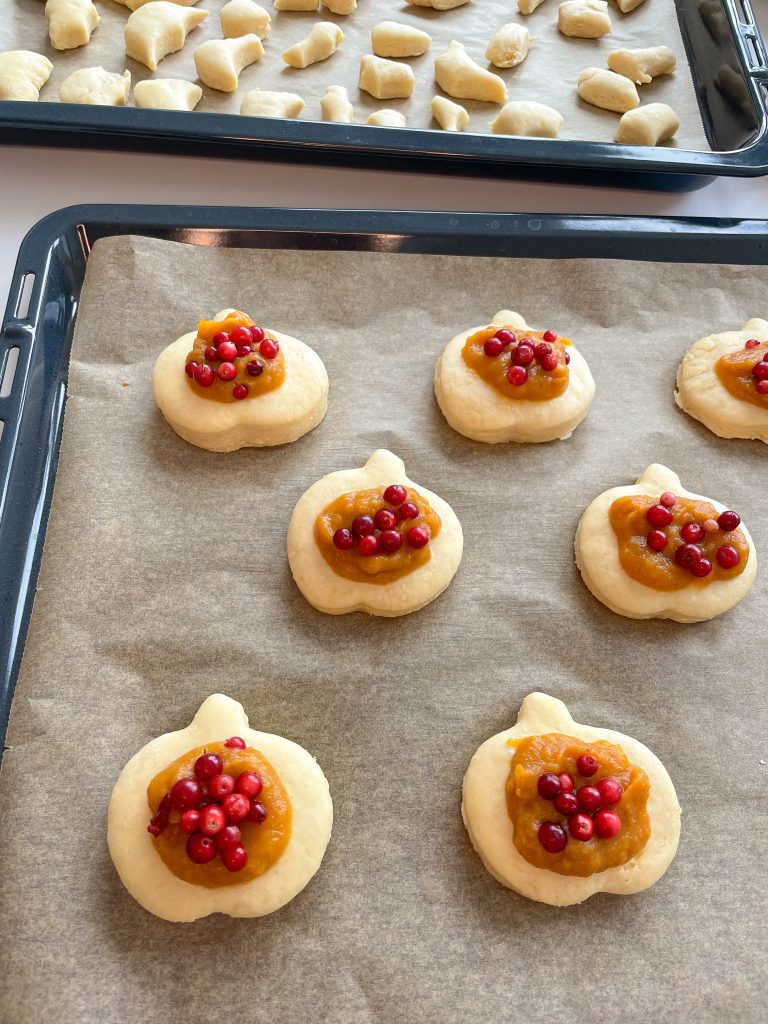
[
  {"x": 257, "y": 334},
  {"x": 343, "y": 539},
  {"x": 390, "y": 541},
  {"x": 385, "y": 520},
  {"x": 548, "y": 785},
  {"x": 728, "y": 521},
  {"x": 227, "y": 350},
  {"x": 189, "y": 822},
  {"x": 240, "y": 391},
  {"x": 762, "y": 387},
  {"x": 727, "y": 556},
  {"x": 567, "y": 803},
  {"x": 760, "y": 370},
  {"x": 235, "y": 859},
  {"x": 687, "y": 555},
  {"x": 587, "y": 765},
  {"x": 668, "y": 499},
  {"x": 589, "y": 797},
  {"x": 517, "y": 375},
  {"x": 244, "y": 350},
  {"x": 189, "y": 369},
  {"x": 235, "y": 742},
  {"x": 159, "y": 820},
  {"x": 522, "y": 355},
  {"x": 710, "y": 526},
  {"x": 212, "y": 820},
  {"x": 226, "y": 371},
  {"x": 567, "y": 357},
  {"x": 552, "y": 836},
  {"x": 204, "y": 375},
  {"x": 657, "y": 515},
  {"x": 258, "y": 812},
  {"x": 207, "y": 766},
  {"x": 549, "y": 336},
  {"x": 254, "y": 367},
  {"x": 269, "y": 348},
  {"x": 692, "y": 533},
  {"x": 752, "y": 343},
  {"x": 186, "y": 793},
  {"x": 249, "y": 784},
  {"x": 493, "y": 347},
  {"x": 221, "y": 786},
  {"x": 702, "y": 568},
  {"x": 363, "y": 525},
  {"x": 417, "y": 537},
  {"x": 228, "y": 837},
  {"x": 607, "y": 824},
  {"x": 211, "y": 353},
  {"x": 236, "y": 806},
  {"x": 566, "y": 782},
  {"x": 657, "y": 540},
  {"x": 505, "y": 336},
  {"x": 369, "y": 545},
  {"x": 408, "y": 510},
  {"x": 200, "y": 849},
  {"x": 218, "y": 338},
  {"x": 549, "y": 363},
  {"x": 395, "y": 494},
  {"x": 610, "y": 790},
  {"x": 241, "y": 335},
  {"x": 581, "y": 827},
  {"x": 541, "y": 350}
]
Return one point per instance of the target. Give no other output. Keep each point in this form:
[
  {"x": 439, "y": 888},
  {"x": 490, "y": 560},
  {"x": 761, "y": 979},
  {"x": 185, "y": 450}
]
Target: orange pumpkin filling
[
  {"x": 530, "y": 366},
  {"x": 234, "y": 359},
  {"x": 742, "y": 376}
]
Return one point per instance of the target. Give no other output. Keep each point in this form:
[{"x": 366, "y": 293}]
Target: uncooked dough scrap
[
  {"x": 458, "y": 75},
  {"x": 584, "y": 19},
  {"x": 23, "y": 73},
  {"x": 509, "y": 46},
  {"x": 392, "y": 39},
  {"x": 607, "y": 90},
  {"x": 244, "y": 18},
  {"x": 451, "y": 117},
  {"x": 220, "y": 61},
  {"x": 647, "y": 126},
  {"x": 167, "y": 94},
  {"x": 625, "y": 6},
  {"x": 385, "y": 79},
  {"x": 340, "y": 6},
  {"x": 96, "y": 86},
  {"x": 263, "y": 103},
  {"x": 438, "y": 5},
  {"x": 528, "y": 6},
  {"x": 642, "y": 66},
  {"x": 159, "y": 28},
  {"x": 320, "y": 44},
  {"x": 134, "y": 5},
  {"x": 296, "y": 5},
  {"x": 70, "y": 22},
  {"x": 335, "y": 105},
  {"x": 387, "y": 119},
  {"x": 528, "y": 118}
]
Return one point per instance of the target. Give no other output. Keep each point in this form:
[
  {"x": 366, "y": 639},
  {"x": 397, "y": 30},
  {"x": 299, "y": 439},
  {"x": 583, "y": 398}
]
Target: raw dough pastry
[
  {"x": 647, "y": 126},
  {"x": 275, "y": 417},
  {"x": 528, "y": 6},
  {"x": 385, "y": 79},
  {"x": 244, "y": 18},
  {"x": 340, "y": 6},
  {"x": 167, "y": 94},
  {"x": 584, "y": 19},
  {"x": 70, "y": 22},
  {"x": 509, "y": 46},
  {"x": 220, "y": 61},
  {"x": 642, "y": 66},
  {"x": 438, "y": 5},
  {"x": 607, "y": 90},
  {"x": 475, "y": 409},
  {"x": 458, "y": 75},
  {"x": 451, "y": 117},
  {"x": 96, "y": 86},
  {"x": 484, "y": 811},
  {"x": 143, "y": 872},
  {"x": 335, "y": 105},
  {"x": 296, "y": 5},
  {"x": 159, "y": 28},
  {"x": 23, "y": 73},
  {"x": 625, "y": 6},
  {"x": 701, "y": 395},
  {"x": 320, "y": 44},
  {"x": 262, "y": 103},
  {"x": 387, "y": 119},
  {"x": 391, "y": 39},
  {"x": 597, "y": 556},
  {"x": 331, "y": 593},
  {"x": 135, "y": 4},
  {"x": 528, "y": 118}
]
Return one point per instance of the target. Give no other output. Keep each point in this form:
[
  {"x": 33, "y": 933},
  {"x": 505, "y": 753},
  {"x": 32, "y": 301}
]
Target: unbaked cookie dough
[
  {"x": 476, "y": 409},
  {"x": 167, "y": 94},
  {"x": 96, "y": 86},
  {"x": 145, "y": 874},
  {"x": 159, "y": 28},
  {"x": 273, "y": 417},
  {"x": 678, "y": 555},
  {"x": 23, "y": 73},
  {"x": 70, "y": 22},
  {"x": 486, "y": 817},
  {"x": 702, "y": 395},
  {"x": 422, "y": 566}
]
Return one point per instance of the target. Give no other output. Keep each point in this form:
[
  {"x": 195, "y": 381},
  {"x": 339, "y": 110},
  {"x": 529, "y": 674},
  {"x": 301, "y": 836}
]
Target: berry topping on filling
[
  {"x": 530, "y": 365},
  {"x": 222, "y": 362},
  {"x": 744, "y": 373}
]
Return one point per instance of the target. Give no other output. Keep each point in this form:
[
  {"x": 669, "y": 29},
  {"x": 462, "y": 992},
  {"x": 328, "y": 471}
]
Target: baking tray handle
[{"x": 752, "y": 42}]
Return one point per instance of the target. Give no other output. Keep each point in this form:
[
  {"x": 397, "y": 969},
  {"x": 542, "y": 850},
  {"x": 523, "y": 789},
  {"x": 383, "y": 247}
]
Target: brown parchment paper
[
  {"x": 165, "y": 579},
  {"x": 547, "y": 75}
]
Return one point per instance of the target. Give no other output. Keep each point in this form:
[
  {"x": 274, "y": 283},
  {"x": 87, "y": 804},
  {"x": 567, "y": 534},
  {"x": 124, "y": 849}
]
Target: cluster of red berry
[
  {"x": 523, "y": 353},
  {"x": 212, "y": 805},
  {"x": 688, "y": 555},
  {"x": 587, "y": 809},
  {"x": 378, "y": 534},
  {"x": 760, "y": 369},
  {"x": 224, "y": 349}
]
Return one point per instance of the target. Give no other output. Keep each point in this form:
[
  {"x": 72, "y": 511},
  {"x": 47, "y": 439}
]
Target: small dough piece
[
  {"x": 597, "y": 557},
  {"x": 584, "y": 19},
  {"x": 391, "y": 39},
  {"x": 220, "y": 61},
  {"x": 96, "y": 86},
  {"x": 387, "y": 119},
  {"x": 167, "y": 94},
  {"x": 607, "y": 90},
  {"x": 528, "y": 118},
  {"x": 701, "y": 394},
  {"x": 70, "y": 22},
  {"x": 625, "y": 6},
  {"x": 296, "y": 5},
  {"x": 333, "y": 594},
  {"x": 23, "y": 73},
  {"x": 451, "y": 117},
  {"x": 385, "y": 79},
  {"x": 528, "y": 6},
  {"x": 320, "y": 44},
  {"x": 159, "y": 28},
  {"x": 642, "y": 66},
  {"x": 335, "y": 105},
  {"x": 438, "y": 5},
  {"x": 509, "y": 46},
  {"x": 244, "y": 18},
  {"x": 647, "y": 126},
  {"x": 340, "y": 6},
  {"x": 484, "y": 811},
  {"x": 263, "y": 103},
  {"x": 134, "y": 5},
  {"x": 458, "y": 75}
]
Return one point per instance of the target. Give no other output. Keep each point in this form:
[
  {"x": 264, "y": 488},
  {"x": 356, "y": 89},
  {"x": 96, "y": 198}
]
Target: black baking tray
[
  {"x": 718, "y": 35},
  {"x": 45, "y": 292}
]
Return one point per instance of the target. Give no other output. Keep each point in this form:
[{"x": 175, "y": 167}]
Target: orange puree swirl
[
  {"x": 244, "y": 367},
  {"x": 530, "y": 366}
]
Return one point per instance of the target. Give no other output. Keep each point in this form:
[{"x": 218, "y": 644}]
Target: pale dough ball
[
  {"x": 320, "y": 44},
  {"x": 340, "y": 6},
  {"x": 528, "y": 6},
  {"x": 607, "y": 90},
  {"x": 528, "y": 118},
  {"x": 23, "y": 73},
  {"x": 509, "y": 46},
  {"x": 70, "y": 22},
  {"x": 642, "y": 66},
  {"x": 458, "y": 75},
  {"x": 387, "y": 119},
  {"x": 167, "y": 94},
  {"x": 157, "y": 29},
  {"x": 438, "y": 5},
  {"x": 385, "y": 79},
  {"x": 220, "y": 61},
  {"x": 263, "y": 103},
  {"x": 647, "y": 126},
  {"x": 96, "y": 86},
  {"x": 625, "y": 6},
  {"x": 296, "y": 5},
  {"x": 134, "y": 5},
  {"x": 584, "y": 19},
  {"x": 244, "y": 18},
  {"x": 335, "y": 105},
  {"x": 451, "y": 117},
  {"x": 391, "y": 39}
]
